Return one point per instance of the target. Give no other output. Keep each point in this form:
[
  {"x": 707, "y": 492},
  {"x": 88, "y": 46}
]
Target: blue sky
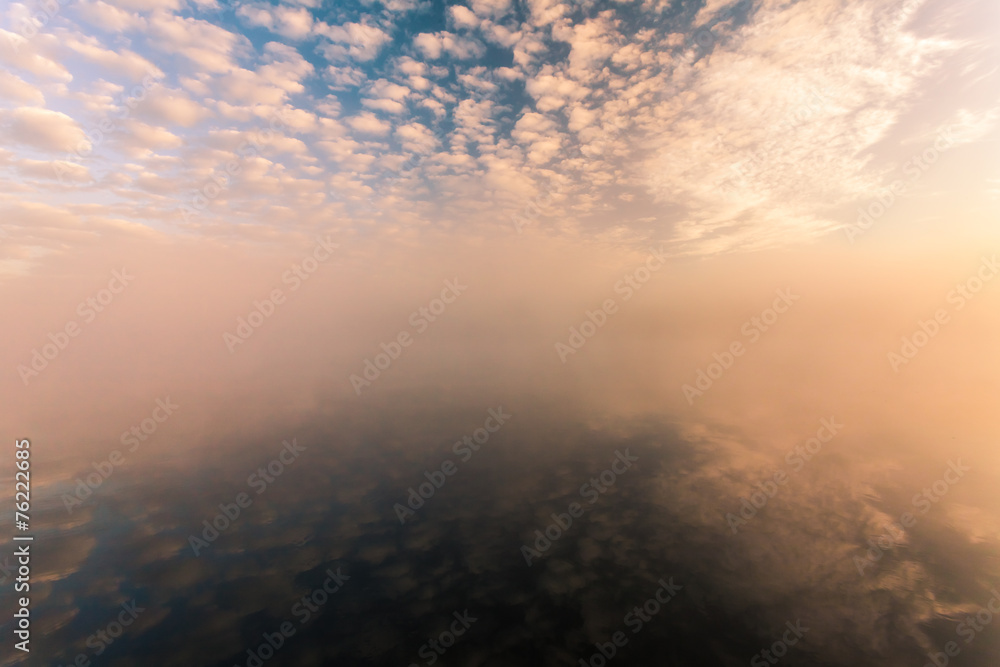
[{"x": 711, "y": 126}]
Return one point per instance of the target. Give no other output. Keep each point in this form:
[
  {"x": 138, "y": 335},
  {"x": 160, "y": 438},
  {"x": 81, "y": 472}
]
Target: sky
[
  {"x": 539, "y": 151},
  {"x": 710, "y": 127}
]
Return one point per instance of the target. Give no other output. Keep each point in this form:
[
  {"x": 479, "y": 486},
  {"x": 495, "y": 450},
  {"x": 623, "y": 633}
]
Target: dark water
[{"x": 457, "y": 563}]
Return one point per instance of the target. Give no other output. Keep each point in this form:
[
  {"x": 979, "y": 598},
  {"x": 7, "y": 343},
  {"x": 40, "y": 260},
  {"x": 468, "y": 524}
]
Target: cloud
[
  {"x": 434, "y": 45},
  {"x": 107, "y": 17},
  {"x": 416, "y": 138},
  {"x": 120, "y": 61},
  {"x": 539, "y": 134},
  {"x": 369, "y": 123},
  {"x": 286, "y": 69},
  {"x": 209, "y": 46},
  {"x": 389, "y": 106},
  {"x": 710, "y": 9},
  {"x": 292, "y": 22},
  {"x": 44, "y": 129},
  {"x": 592, "y": 42},
  {"x": 545, "y": 12},
  {"x": 384, "y": 95},
  {"x": 767, "y": 134},
  {"x": 616, "y": 103},
  {"x": 241, "y": 86},
  {"x": 140, "y": 136},
  {"x": 357, "y": 41},
  {"x": 148, "y": 5},
  {"x": 37, "y": 55},
  {"x": 172, "y": 107},
  {"x": 15, "y": 88},
  {"x": 462, "y": 17},
  {"x": 491, "y": 8},
  {"x": 969, "y": 126},
  {"x": 343, "y": 77},
  {"x": 54, "y": 170},
  {"x": 553, "y": 90}
]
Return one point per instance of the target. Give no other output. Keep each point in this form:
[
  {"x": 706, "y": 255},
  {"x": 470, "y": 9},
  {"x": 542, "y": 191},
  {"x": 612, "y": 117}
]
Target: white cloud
[
  {"x": 509, "y": 73},
  {"x": 439, "y": 109},
  {"x": 108, "y": 17},
  {"x": 37, "y": 55},
  {"x": 119, "y": 61},
  {"x": 17, "y": 89},
  {"x": 171, "y": 107},
  {"x": 387, "y": 105},
  {"x": 384, "y": 95},
  {"x": 241, "y": 86},
  {"x": 969, "y": 126},
  {"x": 429, "y": 44},
  {"x": 581, "y": 118},
  {"x": 385, "y": 89},
  {"x": 552, "y": 90},
  {"x": 344, "y": 77},
  {"x": 61, "y": 170},
  {"x": 291, "y": 22},
  {"x": 544, "y": 12},
  {"x": 434, "y": 45},
  {"x": 491, "y": 8},
  {"x": 474, "y": 123},
  {"x": 411, "y": 67},
  {"x": 592, "y": 42},
  {"x": 359, "y": 41},
  {"x": 462, "y": 17},
  {"x": 417, "y": 138},
  {"x": 369, "y": 123},
  {"x": 44, "y": 129},
  {"x": 759, "y": 150},
  {"x": 501, "y": 35},
  {"x": 477, "y": 78},
  {"x": 148, "y": 5},
  {"x": 209, "y": 46},
  {"x": 141, "y": 137},
  {"x": 711, "y": 9}
]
